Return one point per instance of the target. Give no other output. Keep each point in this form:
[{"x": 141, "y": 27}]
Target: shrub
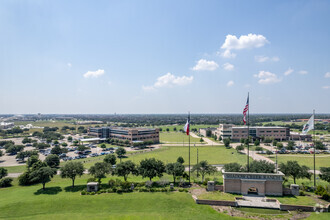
[
  {"x": 320, "y": 190},
  {"x": 141, "y": 184},
  {"x": 83, "y": 192},
  {"x": 5, "y": 182},
  {"x": 181, "y": 190},
  {"x": 92, "y": 193},
  {"x": 24, "y": 179},
  {"x": 112, "y": 183},
  {"x": 109, "y": 191},
  {"x": 114, "y": 189},
  {"x": 92, "y": 179},
  {"x": 126, "y": 186},
  {"x": 326, "y": 196},
  {"x": 148, "y": 184},
  {"x": 301, "y": 193}
]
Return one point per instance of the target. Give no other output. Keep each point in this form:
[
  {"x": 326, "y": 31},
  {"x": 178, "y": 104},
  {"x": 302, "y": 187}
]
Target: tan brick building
[
  {"x": 253, "y": 183},
  {"x": 130, "y": 134}
]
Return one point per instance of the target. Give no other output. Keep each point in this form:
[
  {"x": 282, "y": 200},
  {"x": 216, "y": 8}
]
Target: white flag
[{"x": 309, "y": 126}]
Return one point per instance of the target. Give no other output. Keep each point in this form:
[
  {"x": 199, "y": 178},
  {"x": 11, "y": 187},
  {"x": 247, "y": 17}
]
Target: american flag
[{"x": 246, "y": 108}]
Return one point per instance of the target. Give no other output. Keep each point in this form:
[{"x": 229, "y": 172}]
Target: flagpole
[
  {"x": 314, "y": 147},
  {"x": 189, "y": 142},
  {"x": 248, "y": 135}
]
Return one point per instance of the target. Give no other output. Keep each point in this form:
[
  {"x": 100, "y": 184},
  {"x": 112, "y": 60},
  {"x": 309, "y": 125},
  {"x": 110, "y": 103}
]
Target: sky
[{"x": 106, "y": 57}]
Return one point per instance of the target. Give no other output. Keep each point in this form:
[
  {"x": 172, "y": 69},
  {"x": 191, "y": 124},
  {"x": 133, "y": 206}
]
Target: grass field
[
  {"x": 322, "y": 160},
  {"x": 213, "y": 154},
  {"x": 177, "y": 137},
  {"x": 58, "y": 201},
  {"x": 217, "y": 195},
  {"x": 295, "y": 200}
]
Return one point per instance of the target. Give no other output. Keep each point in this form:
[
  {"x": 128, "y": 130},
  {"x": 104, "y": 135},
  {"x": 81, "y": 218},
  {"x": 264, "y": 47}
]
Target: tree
[
  {"x": 43, "y": 175},
  {"x": 103, "y": 145},
  {"x": 56, "y": 150},
  {"x": 14, "y": 149},
  {"x": 82, "y": 148},
  {"x": 290, "y": 145},
  {"x": 319, "y": 145},
  {"x": 70, "y": 139},
  {"x": 1, "y": 154},
  {"x": 71, "y": 170},
  {"x": 110, "y": 159},
  {"x": 325, "y": 174},
  {"x": 126, "y": 168},
  {"x": 64, "y": 144},
  {"x": 3, "y": 172},
  {"x": 261, "y": 166},
  {"x": 32, "y": 160},
  {"x": 201, "y": 140},
  {"x": 52, "y": 160},
  {"x": 226, "y": 142},
  {"x": 120, "y": 152},
  {"x": 233, "y": 167},
  {"x": 275, "y": 142},
  {"x": 242, "y": 140},
  {"x": 26, "y": 140},
  {"x": 208, "y": 133},
  {"x": 99, "y": 170},
  {"x": 293, "y": 169},
  {"x": 167, "y": 129},
  {"x": 180, "y": 160},
  {"x": 259, "y": 148},
  {"x": 279, "y": 145},
  {"x": 240, "y": 148},
  {"x": 175, "y": 169},
  {"x": 257, "y": 142},
  {"x": 174, "y": 129},
  {"x": 204, "y": 168},
  {"x": 151, "y": 168}
]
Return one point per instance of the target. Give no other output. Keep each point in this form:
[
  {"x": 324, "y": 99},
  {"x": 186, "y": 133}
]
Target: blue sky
[{"x": 164, "y": 56}]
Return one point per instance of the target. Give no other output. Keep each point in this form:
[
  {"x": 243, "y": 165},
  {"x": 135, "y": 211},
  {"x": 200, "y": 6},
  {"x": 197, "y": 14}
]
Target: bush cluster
[{"x": 323, "y": 192}]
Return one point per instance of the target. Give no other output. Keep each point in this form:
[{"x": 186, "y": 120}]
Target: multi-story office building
[
  {"x": 130, "y": 134},
  {"x": 236, "y": 133}
]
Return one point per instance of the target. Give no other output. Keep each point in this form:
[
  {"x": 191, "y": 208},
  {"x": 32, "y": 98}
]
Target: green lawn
[
  {"x": 177, "y": 137},
  {"x": 295, "y": 200},
  {"x": 213, "y": 154},
  {"x": 16, "y": 169},
  {"x": 217, "y": 195},
  {"x": 59, "y": 202},
  {"x": 322, "y": 160}
]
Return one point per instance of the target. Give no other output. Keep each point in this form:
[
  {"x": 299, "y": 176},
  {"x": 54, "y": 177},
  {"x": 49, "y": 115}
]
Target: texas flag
[{"x": 186, "y": 127}]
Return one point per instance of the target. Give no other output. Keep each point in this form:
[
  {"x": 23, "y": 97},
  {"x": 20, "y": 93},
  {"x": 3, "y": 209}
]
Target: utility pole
[
  {"x": 248, "y": 134},
  {"x": 189, "y": 142}
]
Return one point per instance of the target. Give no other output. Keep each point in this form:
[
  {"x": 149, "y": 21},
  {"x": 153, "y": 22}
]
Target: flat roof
[
  {"x": 260, "y": 127},
  {"x": 92, "y": 139}
]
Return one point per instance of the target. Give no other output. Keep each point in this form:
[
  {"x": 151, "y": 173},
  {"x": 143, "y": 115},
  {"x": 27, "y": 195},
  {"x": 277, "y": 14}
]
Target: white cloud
[
  {"x": 228, "y": 66},
  {"x": 244, "y": 42},
  {"x": 205, "y": 65},
  {"x": 288, "y": 72},
  {"x": 169, "y": 80},
  {"x": 325, "y": 87},
  {"x": 303, "y": 72},
  {"x": 267, "y": 77},
  {"x": 228, "y": 54},
  {"x": 69, "y": 64},
  {"x": 94, "y": 74},
  {"x": 275, "y": 59},
  {"x": 327, "y": 75},
  {"x": 230, "y": 83},
  {"x": 262, "y": 59}
]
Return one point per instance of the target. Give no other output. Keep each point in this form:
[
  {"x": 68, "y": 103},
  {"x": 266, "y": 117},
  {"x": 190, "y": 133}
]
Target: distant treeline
[{"x": 134, "y": 120}]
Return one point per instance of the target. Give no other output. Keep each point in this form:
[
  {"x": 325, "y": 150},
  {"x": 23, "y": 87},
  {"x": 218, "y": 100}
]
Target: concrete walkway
[{"x": 257, "y": 201}]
